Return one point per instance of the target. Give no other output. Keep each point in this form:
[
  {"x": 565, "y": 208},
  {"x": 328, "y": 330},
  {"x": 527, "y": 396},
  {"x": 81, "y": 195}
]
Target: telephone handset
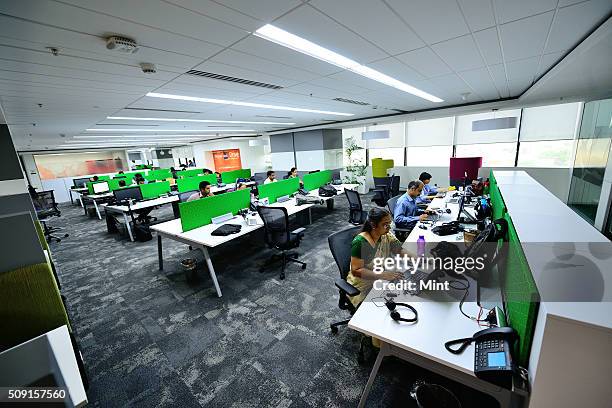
[{"x": 492, "y": 355}]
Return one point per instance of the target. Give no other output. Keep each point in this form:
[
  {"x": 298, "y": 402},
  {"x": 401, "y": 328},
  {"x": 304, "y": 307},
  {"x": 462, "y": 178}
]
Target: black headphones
[{"x": 395, "y": 315}]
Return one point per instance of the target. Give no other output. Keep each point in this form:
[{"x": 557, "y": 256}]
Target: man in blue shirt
[
  {"x": 429, "y": 190},
  {"x": 406, "y": 213}
]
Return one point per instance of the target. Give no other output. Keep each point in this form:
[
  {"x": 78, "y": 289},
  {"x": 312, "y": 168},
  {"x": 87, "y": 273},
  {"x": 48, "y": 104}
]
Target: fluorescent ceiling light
[
  {"x": 237, "y": 103},
  {"x": 197, "y": 120},
  {"x": 162, "y": 136},
  {"x": 286, "y": 39},
  {"x": 168, "y": 130}
]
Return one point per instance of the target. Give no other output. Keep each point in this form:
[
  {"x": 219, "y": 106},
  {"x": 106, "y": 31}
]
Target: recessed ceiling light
[
  {"x": 197, "y": 120},
  {"x": 166, "y": 130},
  {"x": 286, "y": 39},
  {"x": 237, "y": 103}
]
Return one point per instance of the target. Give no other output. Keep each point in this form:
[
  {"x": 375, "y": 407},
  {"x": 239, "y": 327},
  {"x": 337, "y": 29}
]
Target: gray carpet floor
[{"x": 155, "y": 338}]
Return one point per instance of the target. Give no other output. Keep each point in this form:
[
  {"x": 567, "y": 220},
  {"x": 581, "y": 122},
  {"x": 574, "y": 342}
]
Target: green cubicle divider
[
  {"x": 315, "y": 180},
  {"x": 231, "y": 176},
  {"x": 192, "y": 183},
  {"x": 519, "y": 290},
  {"x": 189, "y": 173},
  {"x": 114, "y": 183},
  {"x": 159, "y": 174},
  {"x": 154, "y": 190},
  {"x": 200, "y": 212},
  {"x": 103, "y": 178},
  {"x": 281, "y": 188}
]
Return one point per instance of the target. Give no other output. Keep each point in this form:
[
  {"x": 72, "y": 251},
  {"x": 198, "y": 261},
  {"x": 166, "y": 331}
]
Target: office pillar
[{"x": 282, "y": 152}]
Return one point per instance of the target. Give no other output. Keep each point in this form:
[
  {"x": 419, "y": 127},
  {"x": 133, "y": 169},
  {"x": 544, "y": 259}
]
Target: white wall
[
  {"x": 32, "y": 171},
  {"x": 252, "y": 157}
]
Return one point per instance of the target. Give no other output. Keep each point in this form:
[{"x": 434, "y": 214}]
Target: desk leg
[
  {"x": 382, "y": 353},
  {"x": 84, "y": 206},
  {"x": 71, "y": 200},
  {"x": 211, "y": 270},
  {"x": 160, "y": 253},
  {"x": 97, "y": 209},
  {"x": 310, "y": 215},
  {"x": 81, "y": 200},
  {"x": 127, "y": 226}
]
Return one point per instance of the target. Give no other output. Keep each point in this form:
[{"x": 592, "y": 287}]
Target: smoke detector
[
  {"x": 148, "y": 68},
  {"x": 121, "y": 44}
]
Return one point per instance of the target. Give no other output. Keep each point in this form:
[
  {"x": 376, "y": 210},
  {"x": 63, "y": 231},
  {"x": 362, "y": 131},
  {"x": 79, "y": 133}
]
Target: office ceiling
[{"x": 491, "y": 49}]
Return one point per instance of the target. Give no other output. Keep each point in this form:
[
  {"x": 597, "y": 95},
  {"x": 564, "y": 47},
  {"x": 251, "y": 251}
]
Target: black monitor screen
[
  {"x": 80, "y": 182},
  {"x": 124, "y": 194}
]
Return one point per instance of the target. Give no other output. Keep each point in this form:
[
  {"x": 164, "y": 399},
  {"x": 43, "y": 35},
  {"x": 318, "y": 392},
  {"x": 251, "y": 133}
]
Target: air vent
[
  {"x": 232, "y": 79},
  {"x": 351, "y": 101}
]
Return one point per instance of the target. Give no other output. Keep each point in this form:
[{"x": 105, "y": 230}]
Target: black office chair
[
  {"x": 395, "y": 185},
  {"x": 382, "y": 190},
  {"x": 400, "y": 233},
  {"x": 278, "y": 236},
  {"x": 46, "y": 207},
  {"x": 357, "y": 215}
]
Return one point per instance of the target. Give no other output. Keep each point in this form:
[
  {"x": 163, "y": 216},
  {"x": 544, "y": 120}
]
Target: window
[
  {"x": 429, "y": 156},
  {"x": 546, "y": 153},
  {"x": 493, "y": 154},
  {"x": 395, "y": 153},
  {"x": 465, "y": 134}
]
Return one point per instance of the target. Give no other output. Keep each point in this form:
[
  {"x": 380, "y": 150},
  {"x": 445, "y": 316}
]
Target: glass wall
[{"x": 592, "y": 153}]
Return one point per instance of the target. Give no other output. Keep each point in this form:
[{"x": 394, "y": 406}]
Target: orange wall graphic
[{"x": 227, "y": 160}]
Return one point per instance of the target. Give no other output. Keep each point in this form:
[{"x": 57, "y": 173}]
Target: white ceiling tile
[
  {"x": 517, "y": 9},
  {"x": 244, "y": 73},
  {"x": 314, "y": 26},
  {"x": 574, "y": 22},
  {"x": 425, "y": 62},
  {"x": 451, "y": 84},
  {"x": 366, "y": 84},
  {"x": 518, "y": 87},
  {"x": 548, "y": 61},
  {"x": 478, "y": 13},
  {"x": 433, "y": 20},
  {"x": 340, "y": 86},
  {"x": 480, "y": 81},
  {"x": 264, "y": 48},
  {"x": 321, "y": 92},
  {"x": 396, "y": 69},
  {"x": 265, "y": 10},
  {"x": 393, "y": 35},
  {"x": 563, "y": 3},
  {"x": 460, "y": 53},
  {"x": 525, "y": 38},
  {"x": 524, "y": 69},
  {"x": 221, "y": 12},
  {"x": 499, "y": 79},
  {"x": 488, "y": 42}
]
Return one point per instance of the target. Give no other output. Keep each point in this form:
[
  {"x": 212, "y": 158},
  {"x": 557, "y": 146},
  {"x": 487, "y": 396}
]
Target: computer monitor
[
  {"x": 124, "y": 194},
  {"x": 463, "y": 215},
  {"x": 101, "y": 187},
  {"x": 80, "y": 182}
]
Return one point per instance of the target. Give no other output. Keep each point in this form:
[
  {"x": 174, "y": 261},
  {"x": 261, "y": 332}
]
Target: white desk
[
  {"x": 47, "y": 354},
  {"x": 94, "y": 198},
  {"x": 79, "y": 192},
  {"x": 440, "y": 320},
  {"x": 141, "y": 205}
]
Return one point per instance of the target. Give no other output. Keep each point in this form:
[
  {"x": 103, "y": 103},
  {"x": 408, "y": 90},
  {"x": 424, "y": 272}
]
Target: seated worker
[
  {"x": 138, "y": 179},
  {"x": 241, "y": 186},
  {"x": 271, "y": 177},
  {"x": 406, "y": 213},
  {"x": 476, "y": 188},
  {"x": 95, "y": 178},
  {"x": 429, "y": 190},
  {"x": 204, "y": 188},
  {"x": 122, "y": 183},
  {"x": 173, "y": 171},
  {"x": 374, "y": 241},
  {"x": 120, "y": 172},
  {"x": 292, "y": 173},
  {"x": 207, "y": 171}
]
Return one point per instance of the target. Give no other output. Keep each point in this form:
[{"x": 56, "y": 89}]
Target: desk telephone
[{"x": 492, "y": 355}]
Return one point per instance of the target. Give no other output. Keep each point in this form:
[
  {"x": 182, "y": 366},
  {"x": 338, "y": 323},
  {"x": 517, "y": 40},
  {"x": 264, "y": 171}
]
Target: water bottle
[{"x": 421, "y": 246}]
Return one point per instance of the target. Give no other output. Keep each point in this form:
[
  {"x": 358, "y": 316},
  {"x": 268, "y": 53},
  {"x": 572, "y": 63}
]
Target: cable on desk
[{"x": 464, "y": 285}]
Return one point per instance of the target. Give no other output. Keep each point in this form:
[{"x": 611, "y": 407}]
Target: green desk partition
[
  {"x": 114, "y": 183},
  {"x": 279, "y": 189},
  {"x": 192, "y": 183},
  {"x": 159, "y": 174},
  {"x": 520, "y": 293},
  {"x": 315, "y": 180},
  {"x": 103, "y": 178},
  {"x": 231, "y": 176},
  {"x": 189, "y": 173},
  {"x": 154, "y": 190},
  {"x": 197, "y": 213}
]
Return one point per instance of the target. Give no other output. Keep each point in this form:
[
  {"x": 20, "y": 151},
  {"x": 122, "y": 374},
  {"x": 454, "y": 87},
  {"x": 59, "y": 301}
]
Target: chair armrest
[
  {"x": 346, "y": 287},
  {"x": 299, "y": 232}
]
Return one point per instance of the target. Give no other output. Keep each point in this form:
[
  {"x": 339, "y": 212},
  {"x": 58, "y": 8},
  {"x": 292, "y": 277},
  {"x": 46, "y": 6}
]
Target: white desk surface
[
  {"x": 97, "y": 196},
  {"x": 142, "y": 204},
  {"x": 438, "y": 321}
]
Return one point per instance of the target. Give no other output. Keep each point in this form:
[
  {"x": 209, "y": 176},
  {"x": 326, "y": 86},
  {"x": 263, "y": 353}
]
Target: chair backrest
[
  {"x": 340, "y": 247},
  {"x": 354, "y": 200},
  {"x": 391, "y": 203},
  {"x": 395, "y": 185},
  {"x": 276, "y": 224},
  {"x": 45, "y": 201},
  {"x": 383, "y": 181}
]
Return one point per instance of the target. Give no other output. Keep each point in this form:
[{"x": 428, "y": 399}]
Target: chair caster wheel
[
  {"x": 65, "y": 235},
  {"x": 261, "y": 270},
  {"x": 282, "y": 276},
  {"x": 303, "y": 266},
  {"x": 334, "y": 329}
]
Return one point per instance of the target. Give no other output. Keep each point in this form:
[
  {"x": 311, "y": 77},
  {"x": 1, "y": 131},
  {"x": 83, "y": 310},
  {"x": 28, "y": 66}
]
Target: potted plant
[{"x": 355, "y": 171}]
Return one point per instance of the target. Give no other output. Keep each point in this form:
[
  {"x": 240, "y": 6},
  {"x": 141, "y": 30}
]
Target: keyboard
[{"x": 417, "y": 277}]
